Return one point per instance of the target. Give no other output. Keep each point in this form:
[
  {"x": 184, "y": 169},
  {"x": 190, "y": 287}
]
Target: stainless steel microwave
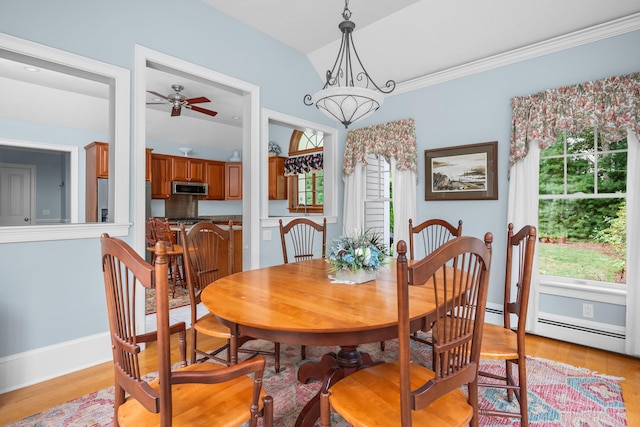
[{"x": 193, "y": 188}]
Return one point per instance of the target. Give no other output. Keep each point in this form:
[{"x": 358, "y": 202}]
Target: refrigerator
[{"x": 103, "y": 200}]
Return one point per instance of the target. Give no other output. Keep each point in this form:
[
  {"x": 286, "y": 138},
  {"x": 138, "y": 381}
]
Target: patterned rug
[
  {"x": 559, "y": 395},
  {"x": 180, "y": 299}
]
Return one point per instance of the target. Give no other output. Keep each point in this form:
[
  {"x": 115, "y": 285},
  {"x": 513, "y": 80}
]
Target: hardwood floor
[{"x": 20, "y": 403}]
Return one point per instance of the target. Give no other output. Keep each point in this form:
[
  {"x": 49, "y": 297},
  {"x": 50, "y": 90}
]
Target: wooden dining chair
[
  {"x": 425, "y": 238},
  {"x": 201, "y": 394},
  {"x": 402, "y": 393},
  {"x": 507, "y": 342},
  {"x": 300, "y": 234},
  {"x": 162, "y": 233},
  {"x": 430, "y": 235},
  {"x": 203, "y": 247}
]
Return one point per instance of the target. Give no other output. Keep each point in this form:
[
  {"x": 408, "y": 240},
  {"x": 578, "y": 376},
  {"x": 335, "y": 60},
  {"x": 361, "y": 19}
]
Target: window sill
[
  {"x": 39, "y": 233},
  {"x": 609, "y": 293}
]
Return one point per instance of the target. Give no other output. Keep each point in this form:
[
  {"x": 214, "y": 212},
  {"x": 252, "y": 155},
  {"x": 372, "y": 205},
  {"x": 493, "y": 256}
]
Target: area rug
[
  {"x": 180, "y": 299},
  {"x": 559, "y": 395}
]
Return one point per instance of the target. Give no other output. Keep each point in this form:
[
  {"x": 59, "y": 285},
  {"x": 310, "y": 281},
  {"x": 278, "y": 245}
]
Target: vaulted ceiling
[{"x": 404, "y": 40}]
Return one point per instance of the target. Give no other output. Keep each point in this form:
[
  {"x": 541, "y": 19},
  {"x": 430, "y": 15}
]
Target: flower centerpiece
[{"x": 357, "y": 258}]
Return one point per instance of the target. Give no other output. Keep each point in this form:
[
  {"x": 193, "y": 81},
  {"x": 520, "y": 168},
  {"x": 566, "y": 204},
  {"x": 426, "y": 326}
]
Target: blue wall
[{"x": 59, "y": 284}]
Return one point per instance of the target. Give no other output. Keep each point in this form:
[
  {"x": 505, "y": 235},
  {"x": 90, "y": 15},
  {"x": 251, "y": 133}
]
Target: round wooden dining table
[{"x": 299, "y": 303}]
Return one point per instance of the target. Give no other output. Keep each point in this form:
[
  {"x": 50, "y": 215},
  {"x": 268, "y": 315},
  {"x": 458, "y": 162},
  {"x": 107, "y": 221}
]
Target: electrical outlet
[
  {"x": 587, "y": 310},
  {"x": 266, "y": 235},
  {"x": 46, "y": 212}
]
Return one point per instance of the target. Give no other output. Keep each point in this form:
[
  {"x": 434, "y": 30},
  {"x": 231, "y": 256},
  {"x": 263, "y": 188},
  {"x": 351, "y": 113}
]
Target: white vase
[{"x": 358, "y": 276}]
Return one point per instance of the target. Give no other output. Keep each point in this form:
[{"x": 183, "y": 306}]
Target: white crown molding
[{"x": 556, "y": 44}]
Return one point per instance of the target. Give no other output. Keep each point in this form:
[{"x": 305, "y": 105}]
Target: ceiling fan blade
[
  {"x": 157, "y": 94},
  {"x": 175, "y": 111},
  {"x": 198, "y": 100},
  {"x": 156, "y": 103},
  {"x": 202, "y": 110}
]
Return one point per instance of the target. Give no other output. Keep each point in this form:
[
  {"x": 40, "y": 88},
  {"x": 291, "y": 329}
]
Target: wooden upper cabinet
[
  {"x": 147, "y": 161},
  {"x": 233, "y": 181},
  {"x": 214, "y": 177},
  {"x": 277, "y": 180},
  {"x": 97, "y": 166},
  {"x": 187, "y": 169},
  {"x": 160, "y": 173},
  {"x": 97, "y": 159}
]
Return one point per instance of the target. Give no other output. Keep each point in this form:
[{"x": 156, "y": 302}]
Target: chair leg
[
  {"x": 522, "y": 392},
  {"x": 276, "y": 356},
  {"x": 325, "y": 409},
  {"x": 382, "y": 345},
  {"x": 303, "y": 352}
]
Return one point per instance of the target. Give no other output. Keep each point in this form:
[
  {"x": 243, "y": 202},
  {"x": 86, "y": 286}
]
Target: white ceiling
[
  {"x": 406, "y": 39},
  {"x": 401, "y": 40}
]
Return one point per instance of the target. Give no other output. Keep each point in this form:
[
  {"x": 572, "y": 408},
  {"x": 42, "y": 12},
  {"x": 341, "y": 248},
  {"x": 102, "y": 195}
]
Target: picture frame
[{"x": 463, "y": 172}]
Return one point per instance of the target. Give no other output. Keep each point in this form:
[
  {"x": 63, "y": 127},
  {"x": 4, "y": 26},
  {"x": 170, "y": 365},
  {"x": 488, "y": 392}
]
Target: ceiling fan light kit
[
  {"x": 340, "y": 98},
  {"x": 177, "y": 100}
]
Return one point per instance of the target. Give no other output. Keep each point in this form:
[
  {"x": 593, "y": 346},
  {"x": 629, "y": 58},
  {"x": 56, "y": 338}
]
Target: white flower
[{"x": 364, "y": 254}]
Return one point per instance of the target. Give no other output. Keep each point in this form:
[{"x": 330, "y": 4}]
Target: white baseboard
[{"x": 34, "y": 366}]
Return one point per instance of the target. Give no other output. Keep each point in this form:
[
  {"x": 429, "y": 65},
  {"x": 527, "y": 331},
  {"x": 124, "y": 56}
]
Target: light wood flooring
[{"x": 20, "y": 403}]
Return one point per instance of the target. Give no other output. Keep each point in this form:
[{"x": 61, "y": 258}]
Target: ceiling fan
[{"x": 178, "y": 100}]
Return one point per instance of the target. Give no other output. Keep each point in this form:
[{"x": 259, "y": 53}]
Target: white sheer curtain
[
  {"x": 632, "y": 342},
  {"x": 522, "y": 210},
  {"x": 353, "y": 207},
  {"x": 404, "y": 201}
]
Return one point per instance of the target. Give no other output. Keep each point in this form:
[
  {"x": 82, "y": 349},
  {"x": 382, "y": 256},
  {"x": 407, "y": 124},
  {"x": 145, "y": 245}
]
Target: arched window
[{"x": 304, "y": 169}]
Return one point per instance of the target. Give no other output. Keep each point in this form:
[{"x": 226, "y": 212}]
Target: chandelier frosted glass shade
[{"x": 347, "y": 104}]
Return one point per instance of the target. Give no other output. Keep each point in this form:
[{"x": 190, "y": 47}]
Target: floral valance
[
  {"x": 612, "y": 105},
  {"x": 309, "y": 163},
  {"x": 391, "y": 140}
]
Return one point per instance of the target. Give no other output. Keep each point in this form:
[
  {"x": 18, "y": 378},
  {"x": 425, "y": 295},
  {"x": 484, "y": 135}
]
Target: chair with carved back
[
  {"x": 425, "y": 238},
  {"x": 204, "y": 245},
  {"x": 429, "y": 235},
  {"x": 203, "y": 394},
  {"x": 300, "y": 234},
  {"x": 150, "y": 238},
  {"x": 409, "y": 394},
  {"x": 507, "y": 342}
]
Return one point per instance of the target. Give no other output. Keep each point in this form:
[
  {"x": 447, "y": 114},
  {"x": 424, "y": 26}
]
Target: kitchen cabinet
[
  {"x": 160, "y": 176},
  {"x": 97, "y": 166},
  {"x": 223, "y": 260},
  {"x": 277, "y": 180},
  {"x": 97, "y": 159},
  {"x": 187, "y": 169},
  {"x": 233, "y": 181},
  {"x": 214, "y": 177},
  {"x": 147, "y": 162}
]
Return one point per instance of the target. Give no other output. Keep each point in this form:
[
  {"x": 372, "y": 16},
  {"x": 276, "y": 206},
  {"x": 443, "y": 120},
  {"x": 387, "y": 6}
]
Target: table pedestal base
[{"x": 331, "y": 368}]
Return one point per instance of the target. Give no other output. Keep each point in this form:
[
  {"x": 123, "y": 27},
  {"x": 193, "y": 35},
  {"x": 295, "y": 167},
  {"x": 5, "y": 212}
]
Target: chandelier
[{"x": 349, "y": 94}]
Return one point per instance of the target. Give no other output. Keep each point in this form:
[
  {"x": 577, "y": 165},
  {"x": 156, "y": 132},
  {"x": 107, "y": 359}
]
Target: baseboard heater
[{"x": 581, "y": 328}]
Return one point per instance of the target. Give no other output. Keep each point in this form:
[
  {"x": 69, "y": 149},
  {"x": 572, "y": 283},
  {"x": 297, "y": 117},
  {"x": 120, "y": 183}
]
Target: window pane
[
  {"x": 580, "y": 173},
  {"x": 320, "y": 188},
  {"x": 551, "y": 176},
  {"x": 612, "y": 173}
]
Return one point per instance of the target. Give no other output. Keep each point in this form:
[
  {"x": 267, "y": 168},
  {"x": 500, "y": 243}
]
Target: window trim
[
  {"x": 118, "y": 137},
  {"x": 331, "y": 169}
]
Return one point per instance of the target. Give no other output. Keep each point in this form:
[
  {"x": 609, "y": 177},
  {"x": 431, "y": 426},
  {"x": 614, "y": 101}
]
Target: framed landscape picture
[{"x": 464, "y": 172}]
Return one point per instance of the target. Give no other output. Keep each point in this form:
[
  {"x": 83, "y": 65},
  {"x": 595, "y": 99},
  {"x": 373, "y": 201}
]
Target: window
[
  {"x": 582, "y": 190},
  {"x": 378, "y": 206},
  {"x": 306, "y": 188}
]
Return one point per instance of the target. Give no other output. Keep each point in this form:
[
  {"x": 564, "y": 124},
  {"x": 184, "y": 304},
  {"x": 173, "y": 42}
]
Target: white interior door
[{"x": 17, "y": 198}]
